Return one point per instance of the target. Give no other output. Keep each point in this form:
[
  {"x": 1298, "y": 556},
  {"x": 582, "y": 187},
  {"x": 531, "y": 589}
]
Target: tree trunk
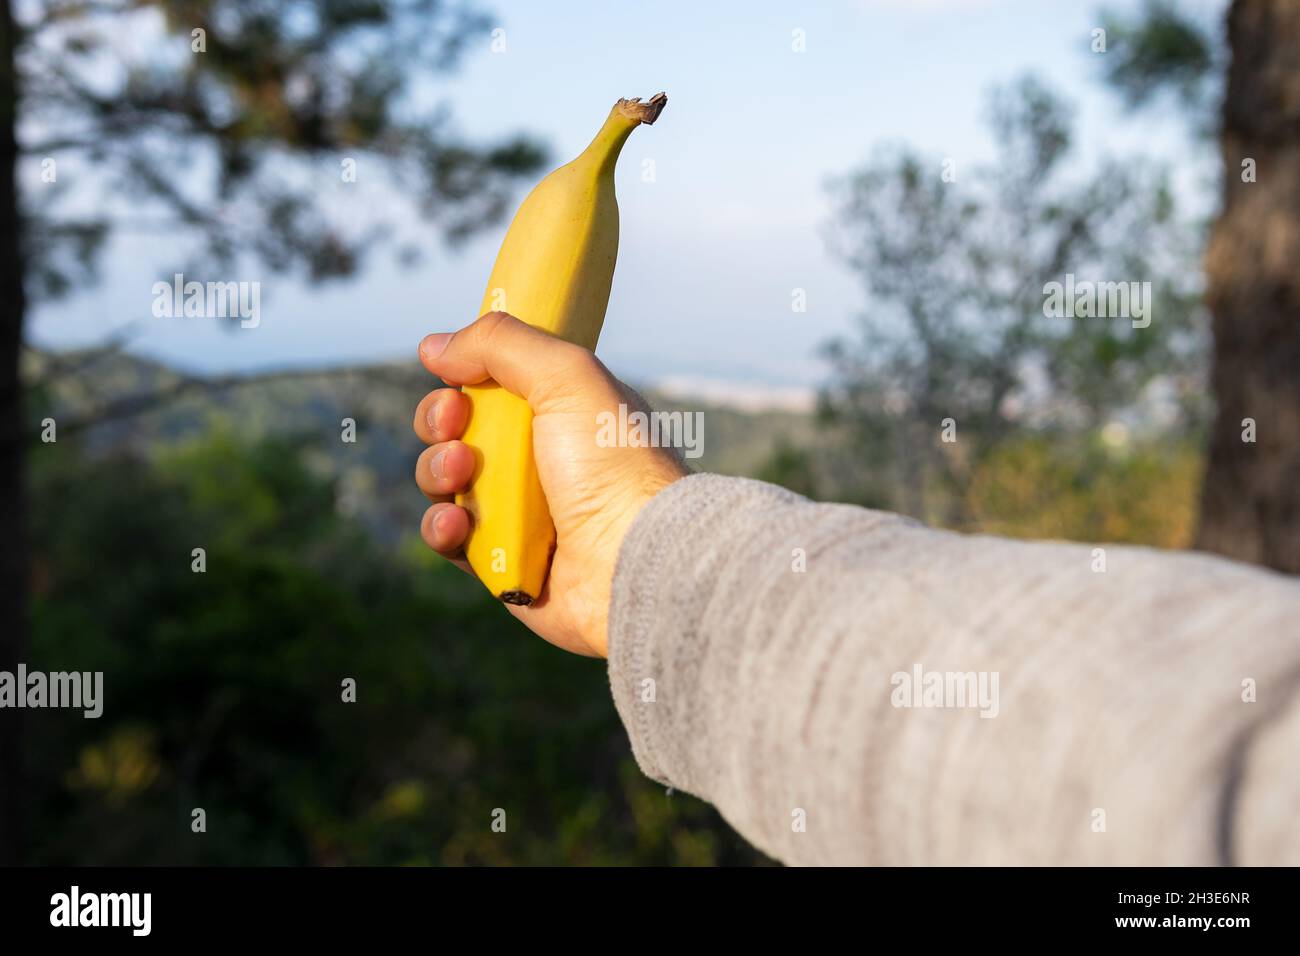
[
  {"x": 13, "y": 550},
  {"x": 1250, "y": 505}
]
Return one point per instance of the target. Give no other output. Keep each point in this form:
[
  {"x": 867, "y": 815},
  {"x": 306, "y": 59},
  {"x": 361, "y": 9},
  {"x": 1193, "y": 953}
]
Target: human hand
[{"x": 594, "y": 493}]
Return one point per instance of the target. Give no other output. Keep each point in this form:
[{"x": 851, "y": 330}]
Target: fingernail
[
  {"x": 435, "y": 466},
  {"x": 431, "y": 416},
  {"x": 431, "y": 346}
]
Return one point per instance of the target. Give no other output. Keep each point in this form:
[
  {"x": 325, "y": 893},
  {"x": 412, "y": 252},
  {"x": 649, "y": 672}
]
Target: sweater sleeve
[{"x": 850, "y": 687}]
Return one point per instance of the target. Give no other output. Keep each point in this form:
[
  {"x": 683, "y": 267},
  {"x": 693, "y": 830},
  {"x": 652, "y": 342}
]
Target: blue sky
[{"x": 738, "y": 212}]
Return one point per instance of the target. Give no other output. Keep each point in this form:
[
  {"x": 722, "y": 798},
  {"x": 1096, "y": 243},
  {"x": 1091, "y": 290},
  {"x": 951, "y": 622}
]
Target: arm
[
  {"x": 778, "y": 690},
  {"x": 775, "y": 656}
]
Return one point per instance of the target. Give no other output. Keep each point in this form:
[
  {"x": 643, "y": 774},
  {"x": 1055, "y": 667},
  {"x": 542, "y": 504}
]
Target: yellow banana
[{"x": 554, "y": 272}]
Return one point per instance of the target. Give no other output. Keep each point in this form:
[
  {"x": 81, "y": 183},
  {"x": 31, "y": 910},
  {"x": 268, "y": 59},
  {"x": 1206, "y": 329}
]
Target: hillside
[{"x": 115, "y": 401}]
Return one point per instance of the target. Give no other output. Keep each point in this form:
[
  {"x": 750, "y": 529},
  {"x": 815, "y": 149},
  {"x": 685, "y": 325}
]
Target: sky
[{"x": 738, "y": 212}]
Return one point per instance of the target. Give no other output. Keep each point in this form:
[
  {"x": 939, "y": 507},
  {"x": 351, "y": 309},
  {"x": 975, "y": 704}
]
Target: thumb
[{"x": 530, "y": 363}]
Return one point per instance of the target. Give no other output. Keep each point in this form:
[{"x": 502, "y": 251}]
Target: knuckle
[
  {"x": 492, "y": 326},
  {"x": 583, "y": 364},
  {"x": 571, "y": 373},
  {"x": 492, "y": 321}
]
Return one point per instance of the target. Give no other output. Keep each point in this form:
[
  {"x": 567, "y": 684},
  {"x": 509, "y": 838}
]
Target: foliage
[
  {"x": 221, "y": 123},
  {"x": 215, "y": 126},
  {"x": 223, "y": 688},
  {"x": 1164, "y": 49},
  {"x": 956, "y": 270},
  {"x": 1095, "y": 489}
]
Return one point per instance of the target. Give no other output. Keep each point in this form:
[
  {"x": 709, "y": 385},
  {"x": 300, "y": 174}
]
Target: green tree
[
  {"x": 956, "y": 269},
  {"x": 224, "y": 685},
  {"x": 208, "y": 138},
  {"x": 1163, "y": 51}
]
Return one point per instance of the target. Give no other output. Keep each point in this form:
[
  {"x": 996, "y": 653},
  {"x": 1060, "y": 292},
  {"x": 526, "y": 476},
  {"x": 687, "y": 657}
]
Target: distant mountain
[{"x": 115, "y": 400}]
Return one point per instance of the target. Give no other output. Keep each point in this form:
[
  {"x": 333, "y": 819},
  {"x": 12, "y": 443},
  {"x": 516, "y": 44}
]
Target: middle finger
[{"x": 444, "y": 469}]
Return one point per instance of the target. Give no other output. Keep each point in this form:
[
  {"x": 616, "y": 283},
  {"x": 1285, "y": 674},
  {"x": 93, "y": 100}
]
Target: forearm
[{"x": 781, "y": 691}]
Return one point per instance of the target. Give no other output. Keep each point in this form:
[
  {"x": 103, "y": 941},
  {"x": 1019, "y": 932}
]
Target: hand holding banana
[{"x": 521, "y": 434}]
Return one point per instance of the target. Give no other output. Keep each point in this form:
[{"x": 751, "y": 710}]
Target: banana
[{"x": 554, "y": 272}]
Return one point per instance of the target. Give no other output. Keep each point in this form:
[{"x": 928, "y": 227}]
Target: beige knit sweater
[{"x": 849, "y": 687}]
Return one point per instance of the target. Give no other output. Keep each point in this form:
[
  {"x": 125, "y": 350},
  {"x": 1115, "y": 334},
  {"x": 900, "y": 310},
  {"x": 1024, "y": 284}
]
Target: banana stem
[
  {"x": 626, "y": 116},
  {"x": 646, "y": 112}
]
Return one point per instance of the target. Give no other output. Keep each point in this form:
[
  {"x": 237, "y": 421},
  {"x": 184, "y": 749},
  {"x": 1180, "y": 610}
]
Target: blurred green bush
[{"x": 223, "y": 689}]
